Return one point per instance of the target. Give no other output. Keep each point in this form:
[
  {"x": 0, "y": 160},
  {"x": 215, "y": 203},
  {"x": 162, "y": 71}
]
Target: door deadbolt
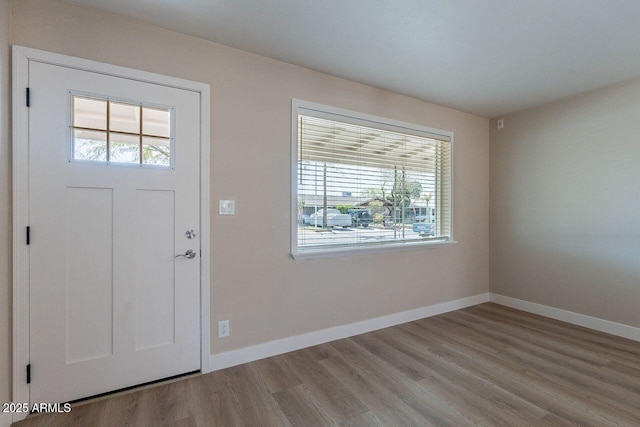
[{"x": 190, "y": 234}]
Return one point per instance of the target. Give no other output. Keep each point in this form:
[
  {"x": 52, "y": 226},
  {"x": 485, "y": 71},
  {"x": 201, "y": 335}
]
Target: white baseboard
[
  {"x": 284, "y": 345},
  {"x": 5, "y": 419},
  {"x": 613, "y": 328}
]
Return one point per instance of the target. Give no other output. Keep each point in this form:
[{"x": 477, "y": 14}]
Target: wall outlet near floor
[{"x": 223, "y": 328}]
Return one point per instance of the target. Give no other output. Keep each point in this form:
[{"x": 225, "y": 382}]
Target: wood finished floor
[{"x": 486, "y": 365}]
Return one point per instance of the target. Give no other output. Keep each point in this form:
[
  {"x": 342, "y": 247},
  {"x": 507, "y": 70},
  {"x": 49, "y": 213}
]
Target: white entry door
[{"x": 114, "y": 198}]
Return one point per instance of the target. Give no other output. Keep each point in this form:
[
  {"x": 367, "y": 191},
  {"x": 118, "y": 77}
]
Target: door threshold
[
  {"x": 133, "y": 388},
  {"x": 125, "y": 390}
]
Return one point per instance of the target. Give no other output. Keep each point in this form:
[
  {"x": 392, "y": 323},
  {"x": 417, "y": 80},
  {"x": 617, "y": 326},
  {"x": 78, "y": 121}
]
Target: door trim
[{"x": 22, "y": 56}]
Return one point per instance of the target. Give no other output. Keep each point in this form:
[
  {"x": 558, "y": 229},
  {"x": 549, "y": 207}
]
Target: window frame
[
  {"x": 362, "y": 119},
  {"x": 142, "y": 104}
]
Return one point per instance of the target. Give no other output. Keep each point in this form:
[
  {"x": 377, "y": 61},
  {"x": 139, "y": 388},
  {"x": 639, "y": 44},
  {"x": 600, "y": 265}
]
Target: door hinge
[
  {"x": 28, "y": 98},
  {"x": 29, "y": 373},
  {"x": 28, "y": 235}
]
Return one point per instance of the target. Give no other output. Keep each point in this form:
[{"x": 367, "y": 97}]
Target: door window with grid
[{"x": 120, "y": 132}]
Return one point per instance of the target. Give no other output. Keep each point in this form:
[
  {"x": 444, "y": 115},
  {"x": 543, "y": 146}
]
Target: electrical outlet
[{"x": 223, "y": 328}]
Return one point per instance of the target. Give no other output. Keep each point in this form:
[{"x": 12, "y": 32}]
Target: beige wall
[
  {"x": 5, "y": 204},
  {"x": 255, "y": 284},
  {"x": 565, "y": 204}
]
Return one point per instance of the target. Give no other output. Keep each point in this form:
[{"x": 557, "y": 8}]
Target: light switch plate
[{"x": 227, "y": 207}]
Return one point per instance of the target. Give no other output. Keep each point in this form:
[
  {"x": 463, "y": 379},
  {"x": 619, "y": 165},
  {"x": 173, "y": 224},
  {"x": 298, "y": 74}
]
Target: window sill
[{"x": 333, "y": 253}]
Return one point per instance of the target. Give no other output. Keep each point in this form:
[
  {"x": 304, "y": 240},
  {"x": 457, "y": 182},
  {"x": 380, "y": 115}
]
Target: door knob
[{"x": 190, "y": 254}]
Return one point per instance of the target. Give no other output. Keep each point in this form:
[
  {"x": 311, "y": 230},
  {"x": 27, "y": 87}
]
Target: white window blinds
[{"x": 362, "y": 183}]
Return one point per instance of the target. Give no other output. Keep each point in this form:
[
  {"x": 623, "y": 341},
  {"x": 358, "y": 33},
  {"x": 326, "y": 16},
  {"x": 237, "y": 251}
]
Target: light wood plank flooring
[{"x": 486, "y": 365}]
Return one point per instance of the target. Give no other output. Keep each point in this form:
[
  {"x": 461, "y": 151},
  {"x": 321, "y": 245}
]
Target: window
[
  {"x": 126, "y": 133},
  {"x": 361, "y": 181}
]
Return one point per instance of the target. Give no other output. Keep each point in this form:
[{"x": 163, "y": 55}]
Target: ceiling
[{"x": 487, "y": 57}]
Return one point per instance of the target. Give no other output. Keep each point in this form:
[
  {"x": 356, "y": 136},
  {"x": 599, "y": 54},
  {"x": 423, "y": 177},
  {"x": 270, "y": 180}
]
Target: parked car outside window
[
  {"x": 360, "y": 217},
  {"x": 425, "y": 229},
  {"x": 334, "y": 218}
]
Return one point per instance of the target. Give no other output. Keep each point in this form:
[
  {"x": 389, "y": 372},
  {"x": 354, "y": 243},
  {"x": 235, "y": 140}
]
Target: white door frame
[{"x": 22, "y": 56}]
